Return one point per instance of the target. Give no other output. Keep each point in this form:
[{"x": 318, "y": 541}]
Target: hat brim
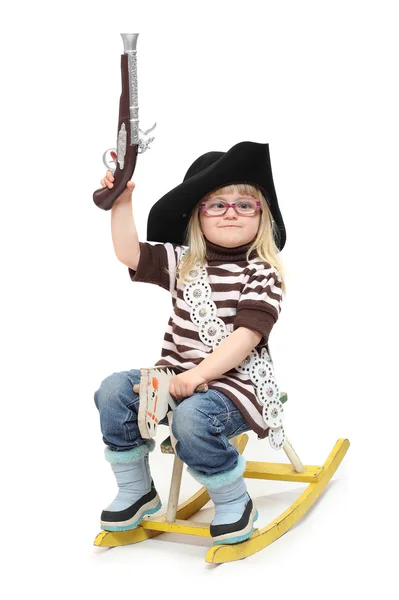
[{"x": 245, "y": 162}]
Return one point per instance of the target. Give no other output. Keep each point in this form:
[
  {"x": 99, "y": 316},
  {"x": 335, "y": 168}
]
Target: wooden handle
[{"x": 201, "y": 388}]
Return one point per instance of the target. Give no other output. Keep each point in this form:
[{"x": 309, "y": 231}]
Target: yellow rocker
[{"x": 177, "y": 518}]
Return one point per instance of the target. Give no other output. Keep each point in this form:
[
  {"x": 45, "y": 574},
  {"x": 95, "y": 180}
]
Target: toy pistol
[{"x": 128, "y": 142}]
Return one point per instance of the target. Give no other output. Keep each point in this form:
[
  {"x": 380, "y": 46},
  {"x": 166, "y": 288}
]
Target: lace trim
[{"x": 197, "y": 293}]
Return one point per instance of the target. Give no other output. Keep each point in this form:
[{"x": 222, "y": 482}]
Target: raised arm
[
  {"x": 124, "y": 233},
  {"x": 123, "y": 228}
]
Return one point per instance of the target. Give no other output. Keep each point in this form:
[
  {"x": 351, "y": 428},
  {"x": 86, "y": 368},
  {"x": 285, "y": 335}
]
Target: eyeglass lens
[{"x": 243, "y": 207}]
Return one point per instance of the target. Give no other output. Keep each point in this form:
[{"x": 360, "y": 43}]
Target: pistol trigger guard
[
  {"x": 147, "y": 131},
  {"x": 144, "y": 144},
  {"x": 107, "y": 162}
]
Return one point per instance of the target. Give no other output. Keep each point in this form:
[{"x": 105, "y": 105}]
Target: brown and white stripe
[{"x": 246, "y": 294}]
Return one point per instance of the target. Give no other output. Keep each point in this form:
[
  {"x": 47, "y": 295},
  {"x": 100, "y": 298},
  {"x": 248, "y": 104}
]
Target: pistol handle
[{"x": 105, "y": 197}]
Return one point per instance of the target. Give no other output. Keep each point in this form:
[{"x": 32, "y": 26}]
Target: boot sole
[
  {"x": 238, "y": 536},
  {"x": 148, "y": 508}
]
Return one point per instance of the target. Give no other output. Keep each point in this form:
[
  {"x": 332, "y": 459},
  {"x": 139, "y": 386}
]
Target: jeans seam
[
  {"x": 128, "y": 434},
  {"x": 216, "y": 419},
  {"x": 219, "y": 395},
  {"x": 212, "y": 419},
  {"x": 244, "y": 425},
  {"x": 227, "y": 412}
]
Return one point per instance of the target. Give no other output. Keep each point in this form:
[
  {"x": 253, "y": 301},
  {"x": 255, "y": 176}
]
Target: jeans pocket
[
  {"x": 217, "y": 425},
  {"x": 241, "y": 429}
]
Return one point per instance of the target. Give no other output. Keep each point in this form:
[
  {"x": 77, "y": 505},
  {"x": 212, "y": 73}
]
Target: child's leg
[
  {"x": 118, "y": 406},
  {"x": 202, "y": 425},
  {"x": 126, "y": 451}
]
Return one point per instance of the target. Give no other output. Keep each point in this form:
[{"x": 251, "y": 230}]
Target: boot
[
  {"x": 137, "y": 495},
  {"x": 234, "y": 509}
]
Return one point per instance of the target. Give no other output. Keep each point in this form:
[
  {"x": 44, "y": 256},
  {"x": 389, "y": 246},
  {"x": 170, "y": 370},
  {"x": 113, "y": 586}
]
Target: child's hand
[
  {"x": 108, "y": 182},
  {"x": 184, "y": 384}
]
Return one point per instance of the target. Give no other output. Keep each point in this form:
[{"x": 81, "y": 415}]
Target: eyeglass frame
[{"x": 227, "y": 206}]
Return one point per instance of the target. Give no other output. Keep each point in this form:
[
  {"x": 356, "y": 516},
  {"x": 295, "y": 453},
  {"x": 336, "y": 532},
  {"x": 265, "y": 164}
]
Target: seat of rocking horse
[{"x": 166, "y": 445}]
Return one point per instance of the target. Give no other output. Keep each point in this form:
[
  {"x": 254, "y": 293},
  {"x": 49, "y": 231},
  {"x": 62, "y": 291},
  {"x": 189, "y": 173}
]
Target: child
[{"x": 219, "y": 234}]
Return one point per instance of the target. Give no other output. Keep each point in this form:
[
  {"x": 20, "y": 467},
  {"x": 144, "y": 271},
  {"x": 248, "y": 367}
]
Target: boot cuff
[
  {"x": 220, "y": 479},
  {"x": 124, "y": 456}
]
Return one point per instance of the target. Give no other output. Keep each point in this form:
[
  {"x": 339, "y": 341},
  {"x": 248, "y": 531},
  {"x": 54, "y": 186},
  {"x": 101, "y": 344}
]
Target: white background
[{"x": 318, "y": 82}]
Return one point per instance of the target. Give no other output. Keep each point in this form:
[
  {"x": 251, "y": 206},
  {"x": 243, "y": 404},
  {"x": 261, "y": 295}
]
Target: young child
[{"x": 218, "y": 233}]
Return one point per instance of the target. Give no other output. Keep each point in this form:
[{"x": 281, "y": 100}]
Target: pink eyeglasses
[{"x": 242, "y": 207}]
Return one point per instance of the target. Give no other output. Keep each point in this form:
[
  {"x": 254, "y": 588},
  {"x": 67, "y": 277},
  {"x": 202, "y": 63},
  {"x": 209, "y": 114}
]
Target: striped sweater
[{"x": 246, "y": 294}]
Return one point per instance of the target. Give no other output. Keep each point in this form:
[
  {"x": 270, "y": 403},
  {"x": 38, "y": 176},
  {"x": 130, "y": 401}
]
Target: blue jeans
[{"x": 202, "y": 423}]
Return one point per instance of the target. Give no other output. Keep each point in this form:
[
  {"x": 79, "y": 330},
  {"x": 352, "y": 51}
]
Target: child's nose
[{"x": 230, "y": 208}]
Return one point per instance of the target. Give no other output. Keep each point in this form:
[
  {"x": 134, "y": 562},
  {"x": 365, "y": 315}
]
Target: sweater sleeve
[
  {"x": 259, "y": 304},
  {"x": 157, "y": 265}
]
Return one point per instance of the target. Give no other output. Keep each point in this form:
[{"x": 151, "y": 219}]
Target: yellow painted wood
[
  {"x": 185, "y": 510},
  {"x": 281, "y": 472},
  {"x": 178, "y": 526},
  {"x": 259, "y": 540},
  {"x": 111, "y": 539}
]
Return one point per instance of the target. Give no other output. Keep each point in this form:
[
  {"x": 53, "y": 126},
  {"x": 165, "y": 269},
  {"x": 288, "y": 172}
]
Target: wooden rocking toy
[{"x": 155, "y": 403}]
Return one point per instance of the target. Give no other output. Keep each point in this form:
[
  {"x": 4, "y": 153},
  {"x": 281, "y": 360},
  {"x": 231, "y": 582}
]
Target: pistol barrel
[{"x": 128, "y": 126}]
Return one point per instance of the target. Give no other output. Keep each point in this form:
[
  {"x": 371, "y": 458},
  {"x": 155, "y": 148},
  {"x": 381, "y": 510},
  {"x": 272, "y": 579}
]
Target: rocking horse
[{"x": 155, "y": 403}]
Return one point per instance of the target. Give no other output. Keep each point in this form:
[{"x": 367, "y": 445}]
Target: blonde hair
[{"x": 263, "y": 243}]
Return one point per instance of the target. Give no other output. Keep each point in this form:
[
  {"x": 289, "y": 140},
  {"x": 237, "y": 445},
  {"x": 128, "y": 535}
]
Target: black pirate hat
[{"x": 247, "y": 162}]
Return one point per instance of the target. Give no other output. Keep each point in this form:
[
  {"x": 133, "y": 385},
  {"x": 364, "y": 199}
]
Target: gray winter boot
[
  {"x": 137, "y": 495},
  {"x": 234, "y": 509}
]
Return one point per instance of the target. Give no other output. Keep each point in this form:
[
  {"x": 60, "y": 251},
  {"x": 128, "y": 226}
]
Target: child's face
[{"x": 231, "y": 229}]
